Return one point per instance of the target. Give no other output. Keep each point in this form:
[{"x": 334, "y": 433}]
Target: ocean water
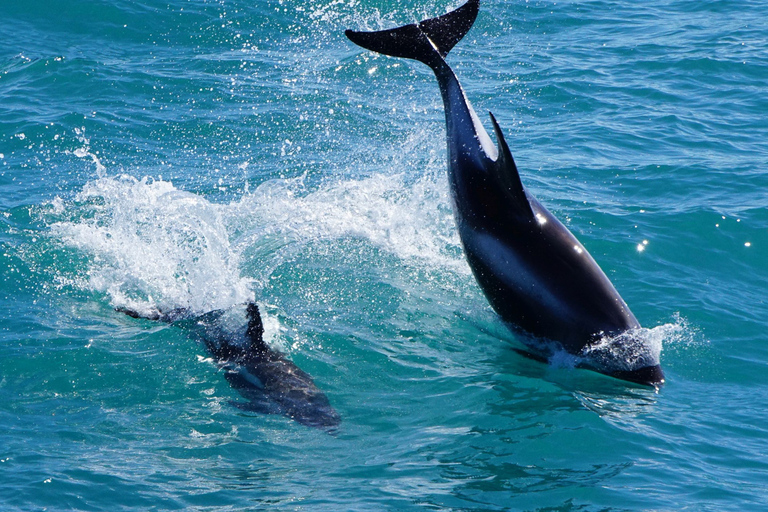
[{"x": 198, "y": 154}]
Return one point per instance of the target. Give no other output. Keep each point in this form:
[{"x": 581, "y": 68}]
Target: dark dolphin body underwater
[
  {"x": 534, "y": 272},
  {"x": 269, "y": 382}
]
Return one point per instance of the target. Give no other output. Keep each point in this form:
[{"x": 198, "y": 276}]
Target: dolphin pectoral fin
[
  {"x": 425, "y": 41},
  {"x": 507, "y": 175},
  {"x": 648, "y": 375}
]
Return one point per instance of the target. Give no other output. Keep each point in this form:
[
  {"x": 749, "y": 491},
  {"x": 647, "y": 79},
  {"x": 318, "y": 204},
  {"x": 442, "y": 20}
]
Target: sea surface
[{"x": 200, "y": 154}]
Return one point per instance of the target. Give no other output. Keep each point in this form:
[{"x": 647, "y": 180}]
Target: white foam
[
  {"x": 636, "y": 348},
  {"x": 153, "y": 246},
  {"x": 405, "y": 220},
  {"x": 630, "y": 350}
]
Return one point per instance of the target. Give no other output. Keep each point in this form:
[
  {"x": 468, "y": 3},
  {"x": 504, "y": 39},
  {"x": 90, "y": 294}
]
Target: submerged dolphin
[
  {"x": 534, "y": 272},
  {"x": 271, "y": 383}
]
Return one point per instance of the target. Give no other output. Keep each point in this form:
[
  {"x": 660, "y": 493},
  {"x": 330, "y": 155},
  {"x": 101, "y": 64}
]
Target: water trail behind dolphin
[{"x": 149, "y": 245}]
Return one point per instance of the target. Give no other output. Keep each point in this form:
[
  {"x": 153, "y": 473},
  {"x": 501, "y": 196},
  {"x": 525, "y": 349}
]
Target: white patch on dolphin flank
[{"x": 485, "y": 140}]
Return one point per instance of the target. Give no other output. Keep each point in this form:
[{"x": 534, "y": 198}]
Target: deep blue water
[{"x": 202, "y": 153}]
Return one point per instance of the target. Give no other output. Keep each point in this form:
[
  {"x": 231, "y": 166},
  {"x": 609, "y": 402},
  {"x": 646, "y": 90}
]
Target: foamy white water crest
[
  {"x": 411, "y": 221},
  {"x": 636, "y": 348},
  {"x": 154, "y": 246}
]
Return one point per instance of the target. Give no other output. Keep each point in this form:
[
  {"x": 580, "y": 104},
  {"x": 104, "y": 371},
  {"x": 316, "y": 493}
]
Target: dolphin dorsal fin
[
  {"x": 255, "y": 330},
  {"x": 507, "y": 175}
]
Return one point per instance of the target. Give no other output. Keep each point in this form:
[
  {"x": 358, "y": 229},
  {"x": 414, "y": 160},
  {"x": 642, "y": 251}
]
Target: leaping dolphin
[
  {"x": 534, "y": 272},
  {"x": 269, "y": 381}
]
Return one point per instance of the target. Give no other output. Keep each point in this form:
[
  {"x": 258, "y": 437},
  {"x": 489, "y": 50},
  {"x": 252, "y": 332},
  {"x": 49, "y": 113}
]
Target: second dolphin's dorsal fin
[
  {"x": 507, "y": 175},
  {"x": 421, "y": 41},
  {"x": 255, "y": 331}
]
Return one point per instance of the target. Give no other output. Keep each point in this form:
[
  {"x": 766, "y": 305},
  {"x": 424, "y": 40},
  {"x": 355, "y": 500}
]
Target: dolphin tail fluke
[{"x": 423, "y": 41}]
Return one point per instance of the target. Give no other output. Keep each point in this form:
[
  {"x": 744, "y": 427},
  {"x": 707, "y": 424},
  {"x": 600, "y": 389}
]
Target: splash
[
  {"x": 85, "y": 152},
  {"x": 635, "y": 348},
  {"x": 152, "y": 246},
  {"x": 411, "y": 221},
  {"x": 627, "y": 351}
]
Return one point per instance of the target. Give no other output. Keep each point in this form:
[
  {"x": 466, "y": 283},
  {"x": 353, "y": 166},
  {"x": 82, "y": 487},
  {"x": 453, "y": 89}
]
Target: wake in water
[
  {"x": 164, "y": 254},
  {"x": 155, "y": 248}
]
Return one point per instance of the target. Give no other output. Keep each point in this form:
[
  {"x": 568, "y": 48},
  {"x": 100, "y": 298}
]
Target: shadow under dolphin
[
  {"x": 536, "y": 275},
  {"x": 270, "y": 382}
]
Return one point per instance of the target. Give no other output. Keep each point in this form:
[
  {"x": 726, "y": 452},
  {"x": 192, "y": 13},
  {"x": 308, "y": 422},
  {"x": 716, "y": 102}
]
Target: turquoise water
[{"x": 198, "y": 154}]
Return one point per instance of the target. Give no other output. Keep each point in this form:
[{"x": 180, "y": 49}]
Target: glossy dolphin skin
[
  {"x": 534, "y": 272},
  {"x": 269, "y": 382}
]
